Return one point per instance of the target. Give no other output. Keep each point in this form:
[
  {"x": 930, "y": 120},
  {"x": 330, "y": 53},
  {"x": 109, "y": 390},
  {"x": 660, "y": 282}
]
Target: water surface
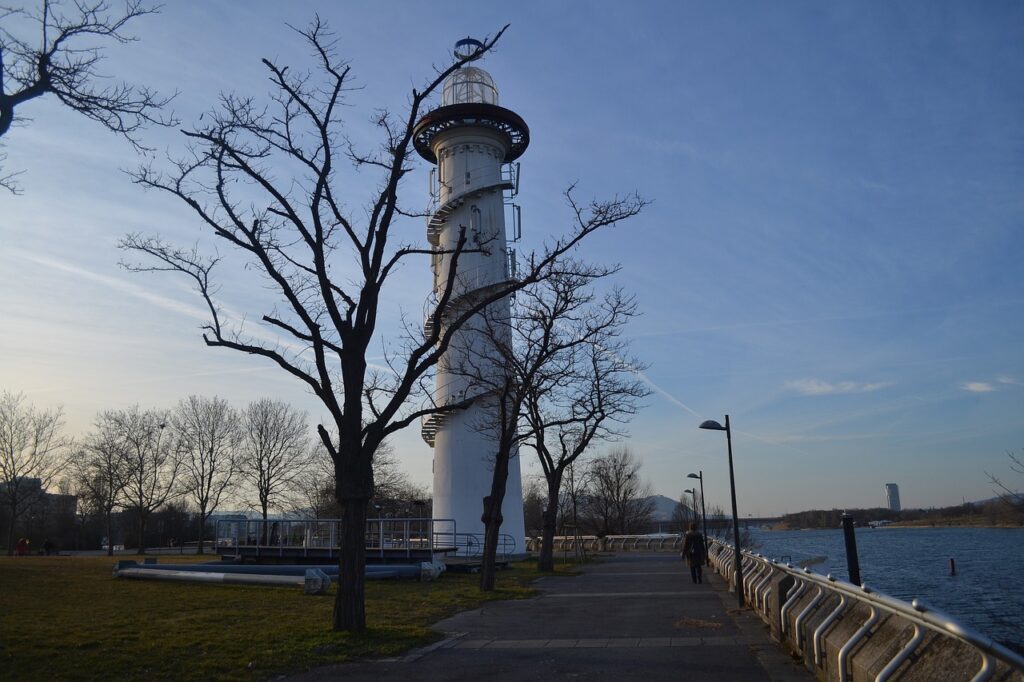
[{"x": 987, "y": 593}]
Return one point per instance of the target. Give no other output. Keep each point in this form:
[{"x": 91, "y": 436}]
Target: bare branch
[{"x": 60, "y": 61}]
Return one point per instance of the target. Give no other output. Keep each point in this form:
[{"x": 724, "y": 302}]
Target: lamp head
[
  {"x": 693, "y": 476},
  {"x": 712, "y": 425},
  {"x": 691, "y": 491}
]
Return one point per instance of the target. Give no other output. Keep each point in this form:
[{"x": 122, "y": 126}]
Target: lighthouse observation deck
[{"x": 469, "y": 98}]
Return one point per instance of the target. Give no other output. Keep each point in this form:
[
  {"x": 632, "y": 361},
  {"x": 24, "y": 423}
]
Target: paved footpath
[{"x": 629, "y": 617}]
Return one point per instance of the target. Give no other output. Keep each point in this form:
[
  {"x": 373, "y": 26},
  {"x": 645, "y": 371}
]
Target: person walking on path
[{"x": 694, "y": 551}]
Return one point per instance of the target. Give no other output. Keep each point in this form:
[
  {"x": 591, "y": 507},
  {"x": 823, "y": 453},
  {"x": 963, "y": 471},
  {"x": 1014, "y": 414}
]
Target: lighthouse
[{"x": 473, "y": 143}]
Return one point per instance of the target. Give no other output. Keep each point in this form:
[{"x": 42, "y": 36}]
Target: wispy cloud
[
  {"x": 235, "y": 317},
  {"x": 819, "y": 387},
  {"x": 117, "y": 284},
  {"x": 978, "y": 387}
]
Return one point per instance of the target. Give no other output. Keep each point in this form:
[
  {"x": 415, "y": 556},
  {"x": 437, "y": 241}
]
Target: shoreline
[{"x": 781, "y": 527}]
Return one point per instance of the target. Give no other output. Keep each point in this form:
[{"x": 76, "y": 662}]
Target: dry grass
[{"x": 68, "y": 618}]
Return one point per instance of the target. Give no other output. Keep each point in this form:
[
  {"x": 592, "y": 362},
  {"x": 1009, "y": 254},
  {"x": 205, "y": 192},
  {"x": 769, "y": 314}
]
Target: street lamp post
[
  {"x": 703, "y": 513},
  {"x": 712, "y": 425},
  {"x": 693, "y": 505}
]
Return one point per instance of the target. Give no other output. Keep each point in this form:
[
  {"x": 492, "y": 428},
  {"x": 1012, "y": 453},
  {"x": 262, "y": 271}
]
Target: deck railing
[{"x": 385, "y": 538}]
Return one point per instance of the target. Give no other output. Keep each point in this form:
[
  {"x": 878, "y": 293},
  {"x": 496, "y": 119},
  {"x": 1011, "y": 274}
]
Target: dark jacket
[{"x": 693, "y": 548}]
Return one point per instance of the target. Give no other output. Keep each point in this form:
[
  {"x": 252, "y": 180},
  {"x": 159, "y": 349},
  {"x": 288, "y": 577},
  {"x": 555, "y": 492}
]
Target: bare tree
[
  {"x": 209, "y": 436},
  {"x": 617, "y": 501},
  {"x": 152, "y": 464},
  {"x": 718, "y": 522},
  {"x": 394, "y": 492},
  {"x": 100, "y": 470},
  {"x": 555, "y": 379},
  {"x": 574, "y": 487},
  {"x": 53, "y": 52},
  {"x": 31, "y": 455},
  {"x": 586, "y": 388},
  {"x": 683, "y": 514},
  {"x": 316, "y": 485},
  {"x": 275, "y": 452},
  {"x": 534, "y": 497},
  {"x": 265, "y": 179},
  {"x": 1012, "y": 499}
]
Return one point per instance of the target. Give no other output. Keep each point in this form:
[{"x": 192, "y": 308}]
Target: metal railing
[
  {"x": 760, "y": 573},
  {"x": 385, "y": 538},
  {"x": 471, "y": 546},
  {"x": 611, "y": 543}
]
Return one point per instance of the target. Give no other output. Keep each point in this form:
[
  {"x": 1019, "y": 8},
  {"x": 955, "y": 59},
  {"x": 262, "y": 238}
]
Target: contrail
[{"x": 665, "y": 394}]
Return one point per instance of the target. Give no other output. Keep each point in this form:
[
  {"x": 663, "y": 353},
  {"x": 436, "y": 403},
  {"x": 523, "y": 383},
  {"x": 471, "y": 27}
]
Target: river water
[{"x": 987, "y": 593}]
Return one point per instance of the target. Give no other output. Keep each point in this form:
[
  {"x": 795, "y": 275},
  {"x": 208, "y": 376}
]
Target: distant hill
[{"x": 664, "y": 507}]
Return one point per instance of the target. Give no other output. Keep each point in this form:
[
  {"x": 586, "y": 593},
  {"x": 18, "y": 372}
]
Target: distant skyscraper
[{"x": 892, "y": 496}]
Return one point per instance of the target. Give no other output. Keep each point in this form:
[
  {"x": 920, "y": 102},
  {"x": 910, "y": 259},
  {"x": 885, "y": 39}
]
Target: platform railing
[
  {"x": 471, "y": 546},
  {"x": 386, "y": 538},
  {"x": 760, "y": 573},
  {"x": 612, "y": 543}
]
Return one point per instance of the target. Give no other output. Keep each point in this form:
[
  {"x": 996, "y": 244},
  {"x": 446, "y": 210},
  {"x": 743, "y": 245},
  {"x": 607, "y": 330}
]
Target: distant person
[
  {"x": 694, "y": 552},
  {"x": 47, "y": 547},
  {"x": 21, "y": 549}
]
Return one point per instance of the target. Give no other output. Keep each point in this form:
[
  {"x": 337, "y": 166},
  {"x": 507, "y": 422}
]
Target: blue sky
[{"x": 832, "y": 255}]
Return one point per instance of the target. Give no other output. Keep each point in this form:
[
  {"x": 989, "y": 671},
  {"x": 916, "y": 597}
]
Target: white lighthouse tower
[{"x": 474, "y": 143}]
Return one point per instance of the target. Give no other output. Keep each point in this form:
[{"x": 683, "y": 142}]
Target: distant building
[{"x": 892, "y": 496}]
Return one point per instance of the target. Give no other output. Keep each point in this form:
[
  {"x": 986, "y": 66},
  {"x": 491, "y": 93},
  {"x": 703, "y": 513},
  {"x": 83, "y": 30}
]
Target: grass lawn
[{"x": 68, "y": 618}]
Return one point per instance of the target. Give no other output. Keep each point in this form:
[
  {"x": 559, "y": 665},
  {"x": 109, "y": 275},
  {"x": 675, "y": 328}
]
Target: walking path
[{"x": 632, "y": 616}]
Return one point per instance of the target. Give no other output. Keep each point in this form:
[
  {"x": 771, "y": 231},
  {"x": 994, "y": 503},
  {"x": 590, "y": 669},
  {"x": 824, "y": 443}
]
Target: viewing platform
[{"x": 388, "y": 541}]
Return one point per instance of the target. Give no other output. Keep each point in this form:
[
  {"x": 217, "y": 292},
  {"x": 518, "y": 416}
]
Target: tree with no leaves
[
  {"x": 555, "y": 380},
  {"x": 617, "y": 500},
  {"x": 393, "y": 491},
  {"x": 209, "y": 435},
  {"x": 100, "y": 471},
  {"x": 1012, "y": 499},
  {"x": 275, "y": 452},
  {"x": 684, "y": 512},
  {"x": 534, "y": 497},
  {"x": 48, "y": 52},
  {"x": 265, "y": 179},
  {"x": 587, "y": 388},
  {"x": 31, "y": 455},
  {"x": 152, "y": 464}
]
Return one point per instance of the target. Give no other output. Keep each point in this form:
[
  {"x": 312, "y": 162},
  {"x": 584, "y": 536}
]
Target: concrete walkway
[{"x": 632, "y": 616}]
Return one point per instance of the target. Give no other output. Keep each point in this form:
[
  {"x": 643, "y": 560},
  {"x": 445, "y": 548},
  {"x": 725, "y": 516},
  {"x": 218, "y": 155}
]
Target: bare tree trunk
[
  {"x": 492, "y": 529},
  {"x": 492, "y": 520},
  {"x": 110, "y": 533},
  {"x": 202, "y": 530},
  {"x": 142, "y": 536},
  {"x": 349, "y": 607},
  {"x": 10, "y": 536},
  {"x": 546, "y": 562}
]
